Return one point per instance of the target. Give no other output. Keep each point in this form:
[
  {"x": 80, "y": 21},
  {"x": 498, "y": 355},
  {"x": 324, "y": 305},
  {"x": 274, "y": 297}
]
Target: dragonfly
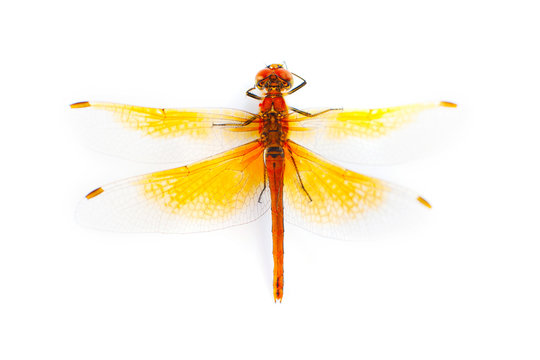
[{"x": 265, "y": 161}]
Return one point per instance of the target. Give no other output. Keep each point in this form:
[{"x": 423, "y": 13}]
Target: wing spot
[
  {"x": 79, "y": 105},
  {"x": 94, "y": 193},
  {"x": 423, "y": 201},
  {"x": 448, "y": 104}
]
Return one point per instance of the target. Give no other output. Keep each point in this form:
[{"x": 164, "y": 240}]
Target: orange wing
[
  {"x": 373, "y": 136},
  {"x": 164, "y": 135},
  {"x": 222, "y": 191},
  {"x": 335, "y": 202}
]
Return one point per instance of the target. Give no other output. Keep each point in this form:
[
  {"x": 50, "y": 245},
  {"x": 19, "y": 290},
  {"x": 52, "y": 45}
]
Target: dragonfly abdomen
[{"x": 274, "y": 159}]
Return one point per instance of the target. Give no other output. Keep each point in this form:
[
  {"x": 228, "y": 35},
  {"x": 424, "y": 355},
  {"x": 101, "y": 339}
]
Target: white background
[{"x": 464, "y": 284}]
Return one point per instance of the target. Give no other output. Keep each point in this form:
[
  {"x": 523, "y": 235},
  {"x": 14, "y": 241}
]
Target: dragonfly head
[{"x": 274, "y": 77}]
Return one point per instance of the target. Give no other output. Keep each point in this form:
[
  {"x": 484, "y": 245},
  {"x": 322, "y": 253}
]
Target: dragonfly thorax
[{"x": 273, "y": 132}]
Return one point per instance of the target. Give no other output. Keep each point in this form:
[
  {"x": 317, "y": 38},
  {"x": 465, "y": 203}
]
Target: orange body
[{"x": 273, "y": 134}]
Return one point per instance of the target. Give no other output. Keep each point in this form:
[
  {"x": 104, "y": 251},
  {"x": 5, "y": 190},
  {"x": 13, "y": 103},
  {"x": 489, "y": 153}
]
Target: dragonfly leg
[
  {"x": 297, "y": 173},
  {"x": 304, "y": 82},
  {"x": 245, "y": 123},
  {"x": 305, "y": 113},
  {"x": 252, "y": 95},
  {"x": 264, "y": 186},
  {"x": 250, "y": 120}
]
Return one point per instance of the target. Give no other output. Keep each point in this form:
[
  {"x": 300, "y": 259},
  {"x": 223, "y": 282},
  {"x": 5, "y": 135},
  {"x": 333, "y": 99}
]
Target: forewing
[
  {"x": 222, "y": 191},
  {"x": 375, "y": 136},
  {"x": 163, "y": 135},
  {"x": 331, "y": 201}
]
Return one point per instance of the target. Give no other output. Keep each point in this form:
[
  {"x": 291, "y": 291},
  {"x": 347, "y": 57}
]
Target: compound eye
[
  {"x": 261, "y": 75},
  {"x": 284, "y": 74}
]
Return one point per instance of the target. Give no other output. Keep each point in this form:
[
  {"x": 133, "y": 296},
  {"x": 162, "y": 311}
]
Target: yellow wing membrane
[
  {"x": 374, "y": 136},
  {"x": 222, "y": 191},
  {"x": 163, "y": 135},
  {"x": 331, "y": 201}
]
